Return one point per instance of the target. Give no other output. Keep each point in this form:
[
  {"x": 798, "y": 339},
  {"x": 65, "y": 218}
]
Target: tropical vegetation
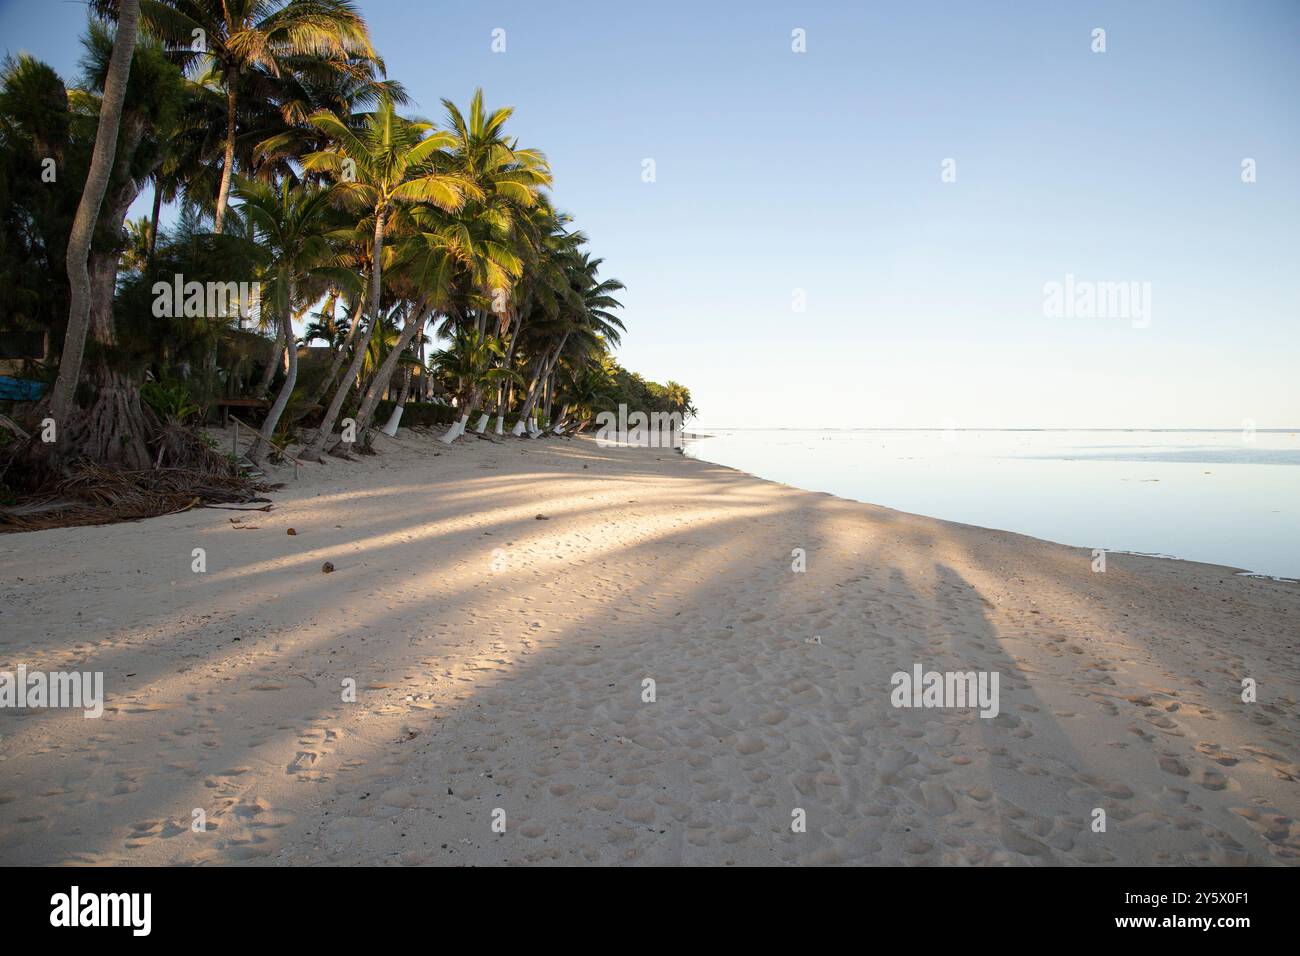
[{"x": 425, "y": 263}]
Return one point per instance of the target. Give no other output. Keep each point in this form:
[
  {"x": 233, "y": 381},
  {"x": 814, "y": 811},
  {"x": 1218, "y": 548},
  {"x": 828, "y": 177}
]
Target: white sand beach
[{"x": 499, "y": 605}]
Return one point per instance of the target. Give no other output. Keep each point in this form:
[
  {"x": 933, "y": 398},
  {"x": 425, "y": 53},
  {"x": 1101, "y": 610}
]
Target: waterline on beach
[{"x": 1220, "y": 497}]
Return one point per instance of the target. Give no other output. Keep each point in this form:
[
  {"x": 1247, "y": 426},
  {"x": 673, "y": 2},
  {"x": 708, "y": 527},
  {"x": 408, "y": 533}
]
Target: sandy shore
[{"x": 499, "y": 663}]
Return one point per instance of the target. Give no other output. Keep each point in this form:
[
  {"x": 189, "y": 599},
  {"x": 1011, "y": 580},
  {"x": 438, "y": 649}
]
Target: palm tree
[
  {"x": 385, "y": 164},
  {"x": 584, "y": 329},
  {"x": 325, "y": 325},
  {"x": 583, "y": 389},
  {"x": 545, "y": 288},
  {"x": 92, "y": 197},
  {"x": 496, "y": 232},
  {"x": 382, "y": 344},
  {"x": 679, "y": 399},
  {"x": 116, "y": 428},
  {"x": 244, "y": 41},
  {"x": 338, "y": 333},
  {"x": 472, "y": 362},
  {"x": 481, "y": 271},
  {"x": 189, "y": 166},
  {"x": 395, "y": 418},
  {"x": 423, "y": 277},
  {"x": 135, "y": 255},
  {"x": 291, "y": 223},
  {"x": 279, "y": 128}
]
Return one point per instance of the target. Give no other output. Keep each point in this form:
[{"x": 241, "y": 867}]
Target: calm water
[{"x": 1213, "y": 496}]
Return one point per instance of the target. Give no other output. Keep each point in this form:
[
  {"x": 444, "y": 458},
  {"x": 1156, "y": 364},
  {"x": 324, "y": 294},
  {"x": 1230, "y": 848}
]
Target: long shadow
[
  {"x": 548, "y": 723},
  {"x": 308, "y": 655},
  {"x": 274, "y": 574}
]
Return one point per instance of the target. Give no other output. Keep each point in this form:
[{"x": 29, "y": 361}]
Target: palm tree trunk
[
  {"x": 458, "y": 427},
  {"x": 153, "y": 221},
  {"x": 529, "y": 400},
  {"x": 359, "y": 354},
  {"x": 506, "y": 393},
  {"x": 486, "y": 416},
  {"x": 262, "y": 446},
  {"x": 395, "y": 419},
  {"x": 336, "y": 362},
  {"x": 534, "y": 390},
  {"x": 426, "y": 380},
  {"x": 518, "y": 428},
  {"x": 268, "y": 373},
  {"x": 379, "y": 383},
  {"x": 92, "y": 197},
  {"x": 223, "y": 194},
  {"x": 558, "y": 425}
]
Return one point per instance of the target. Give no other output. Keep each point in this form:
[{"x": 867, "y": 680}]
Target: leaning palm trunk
[
  {"x": 486, "y": 415},
  {"x": 223, "y": 193},
  {"x": 395, "y": 418},
  {"x": 359, "y": 355},
  {"x": 549, "y": 404},
  {"x": 458, "y": 427},
  {"x": 534, "y": 390},
  {"x": 529, "y": 398},
  {"x": 263, "y": 443},
  {"x": 503, "y": 402},
  {"x": 268, "y": 374},
  {"x": 506, "y": 391},
  {"x": 340, "y": 396},
  {"x": 92, "y": 197},
  {"x": 336, "y": 363},
  {"x": 379, "y": 384}
]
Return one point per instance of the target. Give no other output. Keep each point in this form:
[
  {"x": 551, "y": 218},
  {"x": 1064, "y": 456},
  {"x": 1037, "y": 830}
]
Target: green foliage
[
  {"x": 630, "y": 389},
  {"x": 471, "y": 238},
  {"x": 169, "y": 400},
  {"x": 416, "y": 414},
  {"x": 468, "y": 365}
]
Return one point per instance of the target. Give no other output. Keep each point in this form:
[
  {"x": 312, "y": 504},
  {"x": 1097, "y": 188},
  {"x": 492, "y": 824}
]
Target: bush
[
  {"x": 169, "y": 400},
  {"x": 416, "y": 414}
]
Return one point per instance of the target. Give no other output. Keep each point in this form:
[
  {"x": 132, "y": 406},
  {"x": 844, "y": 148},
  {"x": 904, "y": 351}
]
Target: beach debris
[
  {"x": 543, "y": 518},
  {"x": 95, "y": 494},
  {"x": 290, "y": 531},
  {"x": 327, "y": 567},
  {"x": 813, "y": 640},
  {"x": 14, "y": 427}
]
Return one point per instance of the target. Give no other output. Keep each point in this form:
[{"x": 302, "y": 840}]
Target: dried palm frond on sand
[{"x": 96, "y": 494}]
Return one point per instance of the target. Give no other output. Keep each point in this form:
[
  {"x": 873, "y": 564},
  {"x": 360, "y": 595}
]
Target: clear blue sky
[{"x": 820, "y": 171}]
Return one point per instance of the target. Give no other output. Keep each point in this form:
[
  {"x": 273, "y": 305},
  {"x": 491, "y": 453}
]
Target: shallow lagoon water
[{"x": 1222, "y": 497}]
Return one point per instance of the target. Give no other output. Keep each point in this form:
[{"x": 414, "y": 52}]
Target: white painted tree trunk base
[
  {"x": 395, "y": 419},
  {"x": 519, "y": 428},
  {"x": 482, "y": 422},
  {"x": 501, "y": 424},
  {"x": 455, "y": 431},
  {"x": 533, "y": 430}
]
